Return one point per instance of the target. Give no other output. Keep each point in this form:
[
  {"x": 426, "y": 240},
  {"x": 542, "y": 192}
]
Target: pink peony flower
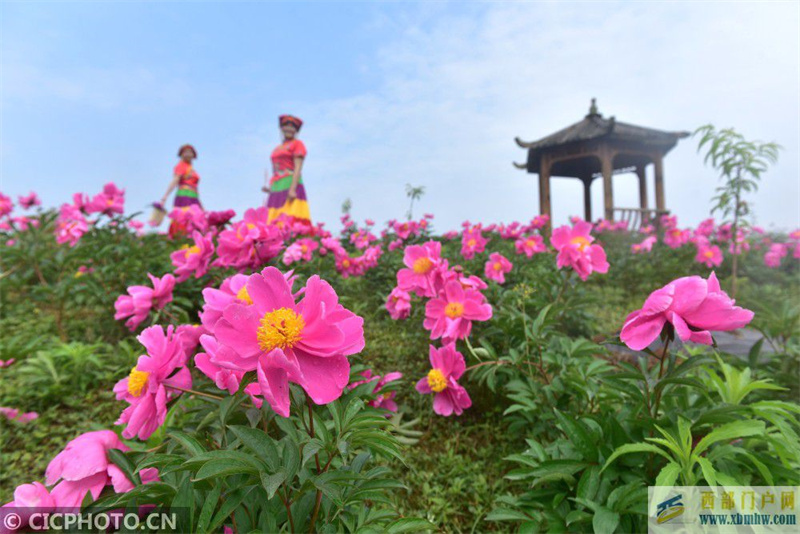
[
  {"x": 146, "y": 388},
  {"x": 70, "y": 225},
  {"x": 773, "y": 256},
  {"x": 693, "y": 306},
  {"x": 6, "y": 205},
  {"x": 227, "y": 379},
  {"x": 110, "y": 201},
  {"x": 442, "y": 380},
  {"x": 394, "y": 245},
  {"x": 530, "y": 245},
  {"x": 249, "y": 243},
  {"x": 233, "y": 289},
  {"x": 705, "y": 228},
  {"x": 538, "y": 222},
  {"x": 450, "y": 315},
  {"x": 398, "y": 304},
  {"x": 141, "y": 299},
  {"x": 302, "y": 249},
  {"x": 725, "y": 233},
  {"x": 497, "y": 267},
  {"x": 33, "y": 495},
  {"x": 676, "y": 238},
  {"x": 669, "y": 221},
  {"x": 404, "y": 229},
  {"x": 575, "y": 250},
  {"x": 472, "y": 242},
  {"x": 304, "y": 342},
  {"x": 362, "y": 238},
  {"x": 422, "y": 263},
  {"x": 12, "y": 414},
  {"x": 219, "y": 218},
  {"x": 83, "y": 467},
  {"x": 645, "y": 246},
  {"x": 709, "y": 255},
  {"x": 384, "y": 400},
  {"x": 193, "y": 259},
  {"x": 29, "y": 201}
]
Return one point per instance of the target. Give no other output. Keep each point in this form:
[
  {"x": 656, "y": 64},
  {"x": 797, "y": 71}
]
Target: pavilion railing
[{"x": 638, "y": 217}]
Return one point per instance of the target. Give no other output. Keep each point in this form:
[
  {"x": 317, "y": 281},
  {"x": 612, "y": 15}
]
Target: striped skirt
[{"x": 279, "y": 203}]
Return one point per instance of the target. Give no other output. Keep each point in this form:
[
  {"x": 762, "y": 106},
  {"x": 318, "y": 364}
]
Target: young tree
[
  {"x": 740, "y": 163},
  {"x": 414, "y": 193}
]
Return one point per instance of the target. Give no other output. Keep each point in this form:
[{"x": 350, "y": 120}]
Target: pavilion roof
[{"x": 595, "y": 126}]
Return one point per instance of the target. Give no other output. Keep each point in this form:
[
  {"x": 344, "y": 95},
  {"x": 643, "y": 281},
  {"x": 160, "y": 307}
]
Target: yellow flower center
[
  {"x": 281, "y": 328},
  {"x": 472, "y": 243},
  {"x": 422, "y": 266},
  {"x": 250, "y": 226},
  {"x": 497, "y": 266},
  {"x": 531, "y": 242},
  {"x": 676, "y": 233},
  {"x": 78, "y": 274},
  {"x": 709, "y": 254},
  {"x": 437, "y": 381},
  {"x": 304, "y": 248},
  {"x": 581, "y": 241},
  {"x": 244, "y": 296},
  {"x": 136, "y": 381},
  {"x": 345, "y": 263},
  {"x": 192, "y": 251},
  {"x": 454, "y": 310}
]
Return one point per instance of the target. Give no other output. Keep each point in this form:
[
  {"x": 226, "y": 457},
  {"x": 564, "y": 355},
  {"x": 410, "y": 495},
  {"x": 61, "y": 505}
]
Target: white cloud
[{"x": 457, "y": 88}]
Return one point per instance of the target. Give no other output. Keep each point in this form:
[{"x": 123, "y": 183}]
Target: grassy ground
[{"x": 453, "y": 473}]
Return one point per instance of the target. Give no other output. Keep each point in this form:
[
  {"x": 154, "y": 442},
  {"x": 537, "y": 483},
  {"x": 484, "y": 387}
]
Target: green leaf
[
  {"x": 125, "y": 464},
  {"x": 229, "y": 504},
  {"x": 589, "y": 483},
  {"x": 632, "y": 448},
  {"x": 579, "y": 436},
  {"x": 728, "y": 432},
  {"x": 709, "y": 473},
  {"x": 272, "y": 482},
  {"x": 506, "y": 514},
  {"x": 605, "y": 521},
  {"x": 409, "y": 524},
  {"x": 190, "y": 443},
  {"x": 668, "y": 475},
  {"x": 208, "y": 508},
  {"x": 257, "y": 441},
  {"x": 224, "y": 467}
]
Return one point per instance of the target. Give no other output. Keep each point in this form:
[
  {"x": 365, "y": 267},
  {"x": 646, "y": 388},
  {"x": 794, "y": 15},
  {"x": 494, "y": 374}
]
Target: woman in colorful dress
[
  {"x": 185, "y": 179},
  {"x": 287, "y": 195}
]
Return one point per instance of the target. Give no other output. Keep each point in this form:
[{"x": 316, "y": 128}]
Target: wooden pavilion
[{"x": 601, "y": 147}]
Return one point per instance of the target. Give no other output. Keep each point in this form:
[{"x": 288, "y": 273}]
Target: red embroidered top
[
  {"x": 188, "y": 177},
  {"x": 283, "y": 157}
]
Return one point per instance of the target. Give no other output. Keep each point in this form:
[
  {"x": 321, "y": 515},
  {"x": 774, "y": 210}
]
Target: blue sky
[{"x": 392, "y": 93}]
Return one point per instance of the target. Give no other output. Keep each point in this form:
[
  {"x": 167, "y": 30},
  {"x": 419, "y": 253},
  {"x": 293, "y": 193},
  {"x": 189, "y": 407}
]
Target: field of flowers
[{"x": 497, "y": 377}]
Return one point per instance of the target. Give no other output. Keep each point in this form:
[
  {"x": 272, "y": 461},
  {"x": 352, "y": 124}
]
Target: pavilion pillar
[
  {"x": 608, "y": 190},
  {"x": 544, "y": 188},
  {"x": 640, "y": 173},
  {"x": 658, "y": 165},
  {"x": 587, "y": 199}
]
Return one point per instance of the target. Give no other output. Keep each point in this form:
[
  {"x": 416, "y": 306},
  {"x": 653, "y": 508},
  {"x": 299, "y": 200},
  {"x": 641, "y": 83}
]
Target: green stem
[
  {"x": 660, "y": 374},
  {"x": 319, "y": 471},
  {"x": 195, "y": 392}
]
